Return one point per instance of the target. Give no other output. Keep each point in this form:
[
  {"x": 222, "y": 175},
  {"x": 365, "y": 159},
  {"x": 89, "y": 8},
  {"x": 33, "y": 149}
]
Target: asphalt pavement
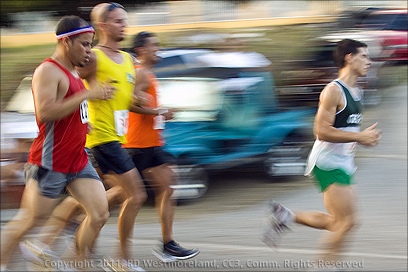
[{"x": 225, "y": 224}]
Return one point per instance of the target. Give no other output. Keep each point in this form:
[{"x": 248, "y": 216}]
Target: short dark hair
[
  {"x": 140, "y": 39},
  {"x": 344, "y": 47},
  {"x": 69, "y": 23}
]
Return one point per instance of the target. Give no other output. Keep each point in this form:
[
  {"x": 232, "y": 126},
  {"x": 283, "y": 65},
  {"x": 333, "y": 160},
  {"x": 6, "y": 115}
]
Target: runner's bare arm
[
  {"x": 50, "y": 85},
  {"x": 331, "y": 100},
  {"x": 140, "y": 91}
]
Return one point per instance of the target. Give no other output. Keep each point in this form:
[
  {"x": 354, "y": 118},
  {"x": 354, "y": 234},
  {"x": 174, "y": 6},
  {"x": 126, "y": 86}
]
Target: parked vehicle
[
  {"x": 384, "y": 29},
  {"x": 228, "y": 116},
  {"x": 18, "y": 129},
  {"x": 390, "y": 27},
  {"x": 303, "y": 80}
]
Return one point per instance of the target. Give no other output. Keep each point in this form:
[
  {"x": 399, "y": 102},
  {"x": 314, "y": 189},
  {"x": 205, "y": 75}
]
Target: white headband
[{"x": 76, "y": 32}]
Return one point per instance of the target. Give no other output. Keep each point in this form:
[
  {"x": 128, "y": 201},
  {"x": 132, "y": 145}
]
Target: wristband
[{"x": 162, "y": 111}]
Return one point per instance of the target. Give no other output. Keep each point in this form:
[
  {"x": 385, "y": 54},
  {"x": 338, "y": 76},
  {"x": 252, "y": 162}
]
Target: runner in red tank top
[
  {"x": 56, "y": 148},
  {"x": 57, "y": 160}
]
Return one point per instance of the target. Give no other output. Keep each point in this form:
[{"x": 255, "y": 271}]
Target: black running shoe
[{"x": 178, "y": 252}]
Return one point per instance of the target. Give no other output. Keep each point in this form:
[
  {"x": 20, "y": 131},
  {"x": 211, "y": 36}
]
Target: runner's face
[
  {"x": 361, "y": 62},
  {"x": 151, "y": 48},
  {"x": 80, "y": 49},
  {"x": 116, "y": 23}
]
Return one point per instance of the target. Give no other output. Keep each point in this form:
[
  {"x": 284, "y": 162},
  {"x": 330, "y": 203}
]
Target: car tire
[
  {"x": 293, "y": 151},
  {"x": 193, "y": 182}
]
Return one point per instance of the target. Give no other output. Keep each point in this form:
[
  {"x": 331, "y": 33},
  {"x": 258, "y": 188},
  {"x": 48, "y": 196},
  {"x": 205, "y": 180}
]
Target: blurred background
[
  {"x": 256, "y": 58},
  {"x": 254, "y": 103},
  {"x": 286, "y": 32}
]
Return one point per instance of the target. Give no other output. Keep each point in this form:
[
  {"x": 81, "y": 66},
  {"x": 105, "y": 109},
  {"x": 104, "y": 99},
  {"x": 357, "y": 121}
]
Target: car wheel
[
  {"x": 192, "y": 182},
  {"x": 288, "y": 159}
]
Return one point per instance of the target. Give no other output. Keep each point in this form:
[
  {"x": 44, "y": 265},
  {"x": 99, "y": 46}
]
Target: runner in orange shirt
[{"x": 144, "y": 144}]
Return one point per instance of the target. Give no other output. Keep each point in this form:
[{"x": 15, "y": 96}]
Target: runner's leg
[
  {"x": 33, "y": 210},
  {"x": 134, "y": 191},
  {"x": 91, "y": 195},
  {"x": 340, "y": 202},
  {"x": 60, "y": 217},
  {"x": 161, "y": 178}
]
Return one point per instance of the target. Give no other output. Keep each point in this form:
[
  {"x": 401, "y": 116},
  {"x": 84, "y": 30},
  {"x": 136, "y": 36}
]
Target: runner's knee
[
  {"x": 163, "y": 189},
  {"x": 345, "y": 225},
  {"x": 349, "y": 224},
  {"x": 99, "y": 218},
  {"x": 169, "y": 191},
  {"x": 137, "y": 199}
]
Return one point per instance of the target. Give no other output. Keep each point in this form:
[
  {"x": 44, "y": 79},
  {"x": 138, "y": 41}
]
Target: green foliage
[{"x": 33, "y": 5}]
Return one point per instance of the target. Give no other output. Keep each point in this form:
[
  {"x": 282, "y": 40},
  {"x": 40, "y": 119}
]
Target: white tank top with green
[
  {"x": 329, "y": 156},
  {"x": 109, "y": 117}
]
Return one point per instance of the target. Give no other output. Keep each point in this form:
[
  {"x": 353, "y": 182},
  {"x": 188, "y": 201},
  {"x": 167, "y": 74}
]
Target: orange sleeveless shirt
[{"x": 140, "y": 132}]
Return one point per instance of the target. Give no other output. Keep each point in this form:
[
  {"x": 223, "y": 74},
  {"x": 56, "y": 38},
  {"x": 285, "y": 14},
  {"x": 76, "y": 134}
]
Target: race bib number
[
  {"x": 159, "y": 122},
  {"x": 121, "y": 122},
  {"x": 83, "y": 112}
]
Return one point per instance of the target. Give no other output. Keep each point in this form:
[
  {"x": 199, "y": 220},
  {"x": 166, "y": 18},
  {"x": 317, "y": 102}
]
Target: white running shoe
[
  {"x": 37, "y": 252},
  {"x": 121, "y": 265},
  {"x": 276, "y": 224}
]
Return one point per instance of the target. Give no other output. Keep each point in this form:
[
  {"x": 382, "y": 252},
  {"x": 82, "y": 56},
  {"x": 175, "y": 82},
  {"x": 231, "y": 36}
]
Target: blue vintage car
[{"x": 228, "y": 116}]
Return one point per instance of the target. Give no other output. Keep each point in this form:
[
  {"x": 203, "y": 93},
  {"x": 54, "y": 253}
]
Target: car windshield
[
  {"x": 202, "y": 99},
  {"x": 194, "y": 99},
  {"x": 22, "y": 100},
  {"x": 386, "y": 21}
]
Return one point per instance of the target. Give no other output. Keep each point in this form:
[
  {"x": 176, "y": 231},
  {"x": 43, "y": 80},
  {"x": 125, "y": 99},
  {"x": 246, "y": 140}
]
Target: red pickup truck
[
  {"x": 390, "y": 28},
  {"x": 385, "y": 32}
]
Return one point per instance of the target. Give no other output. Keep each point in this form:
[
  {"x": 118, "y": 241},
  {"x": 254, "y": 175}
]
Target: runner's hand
[
  {"x": 102, "y": 92},
  {"x": 370, "y": 136}
]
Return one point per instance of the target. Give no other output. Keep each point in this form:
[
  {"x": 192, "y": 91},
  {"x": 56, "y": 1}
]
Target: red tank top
[
  {"x": 140, "y": 132},
  {"x": 60, "y": 144}
]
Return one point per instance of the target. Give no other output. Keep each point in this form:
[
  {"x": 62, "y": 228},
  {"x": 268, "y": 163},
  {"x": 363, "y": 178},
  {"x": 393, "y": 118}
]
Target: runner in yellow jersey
[
  {"x": 109, "y": 65},
  {"x": 109, "y": 119}
]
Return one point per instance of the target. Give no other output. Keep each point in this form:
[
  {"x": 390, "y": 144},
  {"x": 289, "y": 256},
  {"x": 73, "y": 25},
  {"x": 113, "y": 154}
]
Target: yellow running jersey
[{"x": 109, "y": 118}]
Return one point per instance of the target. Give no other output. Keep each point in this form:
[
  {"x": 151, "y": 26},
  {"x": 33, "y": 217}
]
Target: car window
[
  {"x": 195, "y": 99},
  {"x": 386, "y": 21},
  {"x": 400, "y": 23},
  {"x": 171, "y": 61},
  {"x": 323, "y": 56}
]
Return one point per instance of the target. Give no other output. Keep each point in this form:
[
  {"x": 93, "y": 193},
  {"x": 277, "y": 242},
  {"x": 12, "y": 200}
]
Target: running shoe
[
  {"x": 37, "y": 252},
  {"x": 122, "y": 265},
  {"x": 173, "y": 251},
  {"x": 276, "y": 224}
]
